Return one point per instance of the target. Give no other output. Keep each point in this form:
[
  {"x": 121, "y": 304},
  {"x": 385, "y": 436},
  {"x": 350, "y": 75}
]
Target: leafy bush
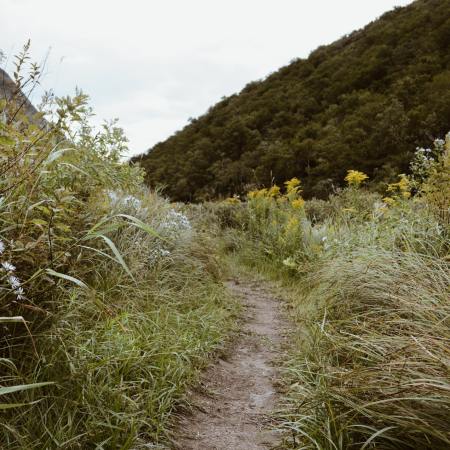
[
  {"x": 369, "y": 290},
  {"x": 116, "y": 286}
]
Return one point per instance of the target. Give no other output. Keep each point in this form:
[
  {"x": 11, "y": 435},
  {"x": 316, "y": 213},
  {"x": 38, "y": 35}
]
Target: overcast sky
[{"x": 155, "y": 63}]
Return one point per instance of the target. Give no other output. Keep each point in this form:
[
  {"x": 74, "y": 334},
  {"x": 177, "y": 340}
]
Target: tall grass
[
  {"x": 375, "y": 367},
  {"x": 110, "y": 297},
  {"x": 369, "y": 289}
]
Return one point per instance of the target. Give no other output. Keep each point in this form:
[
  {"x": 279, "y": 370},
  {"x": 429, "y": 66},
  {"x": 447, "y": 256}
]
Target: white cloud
[{"x": 155, "y": 63}]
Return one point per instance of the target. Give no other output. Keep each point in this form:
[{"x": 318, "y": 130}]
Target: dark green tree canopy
[{"x": 364, "y": 102}]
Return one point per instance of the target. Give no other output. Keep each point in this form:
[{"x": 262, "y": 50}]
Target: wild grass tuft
[
  {"x": 110, "y": 296},
  {"x": 368, "y": 283}
]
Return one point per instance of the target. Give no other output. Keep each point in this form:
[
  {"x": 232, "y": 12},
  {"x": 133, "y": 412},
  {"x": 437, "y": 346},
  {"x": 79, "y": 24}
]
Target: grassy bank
[
  {"x": 110, "y": 297},
  {"x": 368, "y": 281}
]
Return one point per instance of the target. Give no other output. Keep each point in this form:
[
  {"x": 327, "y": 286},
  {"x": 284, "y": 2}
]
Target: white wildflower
[
  {"x": 118, "y": 199},
  {"x": 129, "y": 200},
  {"x": 14, "y": 282},
  {"x": 175, "y": 221},
  {"x": 113, "y": 196},
  {"x": 158, "y": 253},
  {"x": 2, "y": 247},
  {"x": 126, "y": 203},
  {"x": 19, "y": 293},
  {"x": 8, "y": 266}
]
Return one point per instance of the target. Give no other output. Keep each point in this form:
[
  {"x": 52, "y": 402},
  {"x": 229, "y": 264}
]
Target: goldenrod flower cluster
[
  {"x": 292, "y": 186},
  {"x": 298, "y": 203},
  {"x": 233, "y": 200},
  {"x": 274, "y": 191},
  {"x": 292, "y": 224},
  {"x": 355, "y": 178},
  {"x": 389, "y": 201},
  {"x": 399, "y": 190},
  {"x": 261, "y": 193},
  {"x": 291, "y": 195}
]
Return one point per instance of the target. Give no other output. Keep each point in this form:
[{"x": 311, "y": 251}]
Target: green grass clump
[
  {"x": 367, "y": 280},
  {"x": 375, "y": 365},
  {"x": 110, "y": 296}
]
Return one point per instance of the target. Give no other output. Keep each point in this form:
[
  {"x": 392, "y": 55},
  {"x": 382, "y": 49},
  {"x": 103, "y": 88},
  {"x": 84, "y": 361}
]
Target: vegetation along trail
[{"x": 233, "y": 409}]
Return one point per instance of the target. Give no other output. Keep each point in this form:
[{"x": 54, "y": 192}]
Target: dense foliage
[
  {"x": 366, "y": 101},
  {"x": 109, "y": 297},
  {"x": 368, "y": 281}
]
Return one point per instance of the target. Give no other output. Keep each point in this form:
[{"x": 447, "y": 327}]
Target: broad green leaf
[
  {"x": 96, "y": 250},
  {"x": 22, "y": 387},
  {"x": 62, "y": 226},
  {"x": 35, "y": 205},
  {"x": 97, "y": 226},
  {"x": 55, "y": 154},
  {"x": 117, "y": 254},
  {"x": 12, "y": 405},
  {"x": 15, "y": 319},
  {"x": 75, "y": 168},
  {"x": 44, "y": 209},
  {"x": 141, "y": 225},
  {"x": 66, "y": 277}
]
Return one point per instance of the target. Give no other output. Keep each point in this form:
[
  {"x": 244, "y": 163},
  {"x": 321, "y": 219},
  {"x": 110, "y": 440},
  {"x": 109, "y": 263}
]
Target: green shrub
[
  {"x": 368, "y": 282},
  {"x": 114, "y": 291}
]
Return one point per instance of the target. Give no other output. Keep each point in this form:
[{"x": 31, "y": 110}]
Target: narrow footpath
[{"x": 237, "y": 396}]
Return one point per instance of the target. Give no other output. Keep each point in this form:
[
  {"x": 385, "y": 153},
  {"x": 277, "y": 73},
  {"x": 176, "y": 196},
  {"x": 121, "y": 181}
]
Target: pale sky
[{"x": 155, "y": 63}]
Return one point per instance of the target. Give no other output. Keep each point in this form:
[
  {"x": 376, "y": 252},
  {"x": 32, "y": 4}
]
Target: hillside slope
[
  {"x": 364, "y": 102},
  {"x": 10, "y": 91}
]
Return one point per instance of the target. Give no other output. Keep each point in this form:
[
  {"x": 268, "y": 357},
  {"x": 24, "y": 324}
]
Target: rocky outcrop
[{"x": 9, "y": 91}]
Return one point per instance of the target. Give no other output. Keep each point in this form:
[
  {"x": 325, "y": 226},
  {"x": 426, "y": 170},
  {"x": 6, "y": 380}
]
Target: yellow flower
[
  {"x": 292, "y": 186},
  {"x": 274, "y": 191},
  {"x": 257, "y": 193},
  {"x": 402, "y": 187},
  {"x": 389, "y": 201},
  {"x": 298, "y": 203},
  {"x": 292, "y": 224},
  {"x": 262, "y": 192},
  {"x": 233, "y": 200},
  {"x": 355, "y": 178}
]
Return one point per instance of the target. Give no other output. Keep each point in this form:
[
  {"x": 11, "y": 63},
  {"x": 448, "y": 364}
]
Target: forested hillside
[
  {"x": 366, "y": 102},
  {"x": 268, "y": 321}
]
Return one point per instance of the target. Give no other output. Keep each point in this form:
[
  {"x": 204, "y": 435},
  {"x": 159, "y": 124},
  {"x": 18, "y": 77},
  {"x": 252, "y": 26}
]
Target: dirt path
[{"x": 232, "y": 411}]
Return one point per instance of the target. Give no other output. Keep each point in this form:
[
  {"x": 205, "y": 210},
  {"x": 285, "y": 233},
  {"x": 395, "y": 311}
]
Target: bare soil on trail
[{"x": 237, "y": 396}]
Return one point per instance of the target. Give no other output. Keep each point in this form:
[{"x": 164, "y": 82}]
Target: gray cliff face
[{"x": 8, "y": 90}]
